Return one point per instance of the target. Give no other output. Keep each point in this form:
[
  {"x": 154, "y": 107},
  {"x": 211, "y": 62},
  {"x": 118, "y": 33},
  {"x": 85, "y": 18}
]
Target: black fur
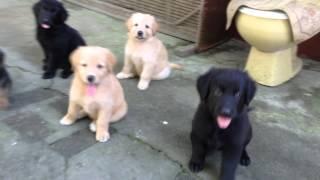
[
  {"x": 228, "y": 93},
  {"x": 56, "y": 38},
  {"x": 5, "y": 81}
]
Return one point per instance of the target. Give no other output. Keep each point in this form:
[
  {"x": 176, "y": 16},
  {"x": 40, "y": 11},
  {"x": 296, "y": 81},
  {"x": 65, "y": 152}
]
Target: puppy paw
[
  {"x": 245, "y": 161},
  {"x": 196, "y": 167},
  {"x": 93, "y": 127},
  {"x": 122, "y": 75},
  {"x": 4, "y": 103},
  {"x": 65, "y": 74},
  {"x": 102, "y": 136},
  {"x": 48, "y": 75},
  {"x": 65, "y": 121},
  {"x": 143, "y": 85}
]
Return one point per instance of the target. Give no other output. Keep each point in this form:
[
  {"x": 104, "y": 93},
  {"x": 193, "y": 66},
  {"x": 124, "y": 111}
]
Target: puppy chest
[
  {"x": 137, "y": 61},
  {"x": 90, "y": 107},
  {"x": 215, "y": 140}
]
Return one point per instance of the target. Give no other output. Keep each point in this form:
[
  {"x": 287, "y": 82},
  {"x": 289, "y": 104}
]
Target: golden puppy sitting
[
  {"x": 95, "y": 91},
  {"x": 145, "y": 55}
]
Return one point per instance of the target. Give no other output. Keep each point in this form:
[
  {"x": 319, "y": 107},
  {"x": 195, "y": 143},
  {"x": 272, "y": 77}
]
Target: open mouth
[
  {"x": 223, "y": 122},
  {"x": 45, "y": 26},
  {"x": 91, "y": 89}
]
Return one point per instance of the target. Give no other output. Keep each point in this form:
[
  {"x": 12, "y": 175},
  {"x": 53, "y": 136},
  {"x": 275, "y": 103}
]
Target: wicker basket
[
  {"x": 199, "y": 21},
  {"x": 179, "y": 18}
]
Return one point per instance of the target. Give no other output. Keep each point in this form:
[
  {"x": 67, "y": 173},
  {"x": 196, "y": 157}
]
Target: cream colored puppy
[
  {"x": 145, "y": 55},
  {"x": 95, "y": 91}
]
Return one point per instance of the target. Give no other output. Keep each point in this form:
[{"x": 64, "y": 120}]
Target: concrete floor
[{"x": 286, "y": 144}]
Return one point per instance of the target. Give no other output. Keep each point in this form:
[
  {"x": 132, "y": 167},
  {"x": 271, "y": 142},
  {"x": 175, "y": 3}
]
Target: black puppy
[
  {"x": 221, "y": 120},
  {"x": 5, "y": 84},
  {"x": 56, "y": 38}
]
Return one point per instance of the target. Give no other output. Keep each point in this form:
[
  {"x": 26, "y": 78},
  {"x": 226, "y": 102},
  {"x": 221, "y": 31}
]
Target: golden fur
[
  {"x": 145, "y": 55},
  {"x": 106, "y": 103}
]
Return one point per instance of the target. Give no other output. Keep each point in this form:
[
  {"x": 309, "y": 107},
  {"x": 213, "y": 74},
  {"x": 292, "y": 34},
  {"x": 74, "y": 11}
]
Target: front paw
[
  {"x": 65, "y": 74},
  {"x": 102, "y": 136},
  {"x": 245, "y": 161},
  {"x": 48, "y": 75},
  {"x": 195, "y": 166},
  {"x": 122, "y": 75},
  {"x": 65, "y": 121},
  {"x": 143, "y": 85},
  {"x": 4, "y": 103},
  {"x": 93, "y": 127}
]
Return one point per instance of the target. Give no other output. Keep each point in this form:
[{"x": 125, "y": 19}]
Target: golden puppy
[
  {"x": 145, "y": 55},
  {"x": 95, "y": 91}
]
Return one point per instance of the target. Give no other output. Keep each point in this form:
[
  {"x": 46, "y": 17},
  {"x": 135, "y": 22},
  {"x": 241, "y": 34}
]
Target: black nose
[
  {"x": 226, "y": 112},
  {"x": 90, "y": 79},
  {"x": 140, "y": 33}
]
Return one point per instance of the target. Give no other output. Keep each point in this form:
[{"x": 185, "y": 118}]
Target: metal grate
[{"x": 180, "y": 18}]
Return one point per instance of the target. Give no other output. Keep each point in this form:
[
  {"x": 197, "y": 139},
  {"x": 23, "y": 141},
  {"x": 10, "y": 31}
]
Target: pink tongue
[
  {"x": 223, "y": 122},
  {"x": 45, "y": 26},
  {"x": 91, "y": 90}
]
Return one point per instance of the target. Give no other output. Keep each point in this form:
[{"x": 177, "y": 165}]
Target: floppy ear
[
  {"x": 129, "y": 23},
  {"x": 62, "y": 15},
  {"x": 74, "y": 57},
  {"x": 111, "y": 60},
  {"x": 204, "y": 83},
  {"x": 36, "y": 9},
  {"x": 155, "y": 26},
  {"x": 250, "y": 90}
]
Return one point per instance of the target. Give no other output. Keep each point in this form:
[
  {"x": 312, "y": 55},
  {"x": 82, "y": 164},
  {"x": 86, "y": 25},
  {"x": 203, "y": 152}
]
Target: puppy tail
[{"x": 176, "y": 66}]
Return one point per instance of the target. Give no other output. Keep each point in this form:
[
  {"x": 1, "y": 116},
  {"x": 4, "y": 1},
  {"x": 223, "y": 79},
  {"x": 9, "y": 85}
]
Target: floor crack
[
  {"x": 183, "y": 169},
  {"x": 49, "y": 88},
  {"x": 22, "y": 69}
]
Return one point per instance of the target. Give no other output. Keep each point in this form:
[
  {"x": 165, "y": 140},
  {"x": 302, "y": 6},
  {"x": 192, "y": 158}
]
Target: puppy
[
  {"x": 95, "y": 91},
  {"x": 145, "y": 55},
  {"x": 5, "y": 84},
  {"x": 56, "y": 38},
  {"x": 221, "y": 120}
]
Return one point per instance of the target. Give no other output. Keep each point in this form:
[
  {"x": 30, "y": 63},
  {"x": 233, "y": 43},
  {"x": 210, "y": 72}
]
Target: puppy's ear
[
  {"x": 62, "y": 15},
  {"x": 129, "y": 23},
  {"x": 75, "y": 57},
  {"x": 250, "y": 90},
  {"x": 155, "y": 26},
  {"x": 204, "y": 83},
  {"x": 111, "y": 60},
  {"x": 36, "y": 9}
]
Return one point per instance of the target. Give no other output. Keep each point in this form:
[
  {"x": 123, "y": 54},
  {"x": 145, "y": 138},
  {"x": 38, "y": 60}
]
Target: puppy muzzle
[{"x": 140, "y": 35}]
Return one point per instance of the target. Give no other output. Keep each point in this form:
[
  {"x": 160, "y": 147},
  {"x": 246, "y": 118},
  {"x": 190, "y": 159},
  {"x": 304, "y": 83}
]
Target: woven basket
[{"x": 180, "y": 18}]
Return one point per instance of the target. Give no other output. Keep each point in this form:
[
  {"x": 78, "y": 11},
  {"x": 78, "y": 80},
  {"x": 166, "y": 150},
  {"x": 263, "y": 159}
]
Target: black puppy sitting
[
  {"x": 221, "y": 120},
  {"x": 5, "y": 84},
  {"x": 56, "y": 38}
]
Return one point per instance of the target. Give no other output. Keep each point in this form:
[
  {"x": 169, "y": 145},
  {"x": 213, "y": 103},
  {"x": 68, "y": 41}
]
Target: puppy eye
[
  {"x": 99, "y": 66},
  {"x": 84, "y": 65},
  {"x": 147, "y": 26},
  {"x": 135, "y": 24},
  {"x": 217, "y": 92}
]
